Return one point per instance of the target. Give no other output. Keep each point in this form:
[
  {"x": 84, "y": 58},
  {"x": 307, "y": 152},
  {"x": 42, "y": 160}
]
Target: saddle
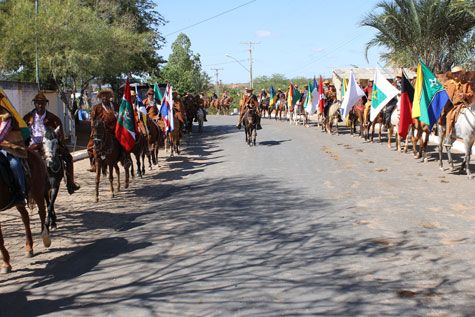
[{"x": 12, "y": 184}]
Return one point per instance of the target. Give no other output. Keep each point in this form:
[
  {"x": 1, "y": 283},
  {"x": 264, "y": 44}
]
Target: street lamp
[{"x": 250, "y": 73}]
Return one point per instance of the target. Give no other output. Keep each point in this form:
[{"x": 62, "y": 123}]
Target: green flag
[{"x": 157, "y": 95}]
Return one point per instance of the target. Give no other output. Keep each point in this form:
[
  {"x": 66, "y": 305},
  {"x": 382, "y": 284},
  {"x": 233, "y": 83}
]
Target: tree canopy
[
  {"x": 440, "y": 32},
  {"x": 183, "y": 69}
]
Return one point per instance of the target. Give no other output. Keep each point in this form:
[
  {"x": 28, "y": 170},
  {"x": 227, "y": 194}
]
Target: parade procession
[{"x": 152, "y": 165}]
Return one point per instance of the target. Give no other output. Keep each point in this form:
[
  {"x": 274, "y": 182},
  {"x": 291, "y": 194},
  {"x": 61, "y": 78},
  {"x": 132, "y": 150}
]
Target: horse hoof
[
  {"x": 426, "y": 160},
  {"x": 46, "y": 239},
  {"x": 53, "y": 227},
  {"x": 5, "y": 270},
  {"x": 29, "y": 254}
]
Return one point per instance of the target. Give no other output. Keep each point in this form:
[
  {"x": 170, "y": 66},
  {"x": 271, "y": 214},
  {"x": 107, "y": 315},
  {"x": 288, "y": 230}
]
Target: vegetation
[
  {"x": 441, "y": 32},
  {"x": 183, "y": 69}
]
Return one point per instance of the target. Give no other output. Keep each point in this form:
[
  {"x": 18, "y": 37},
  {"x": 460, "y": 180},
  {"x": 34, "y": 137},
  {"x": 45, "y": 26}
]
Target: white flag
[
  {"x": 383, "y": 92},
  {"x": 352, "y": 95}
]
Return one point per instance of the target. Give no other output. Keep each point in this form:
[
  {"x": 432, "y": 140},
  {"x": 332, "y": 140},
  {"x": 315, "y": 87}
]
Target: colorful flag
[
  {"x": 126, "y": 128},
  {"x": 142, "y": 111},
  {"x": 383, "y": 92},
  {"x": 290, "y": 97},
  {"x": 157, "y": 95},
  {"x": 315, "y": 97},
  {"x": 273, "y": 97},
  {"x": 166, "y": 110},
  {"x": 430, "y": 96},
  {"x": 343, "y": 87},
  {"x": 310, "y": 107},
  {"x": 294, "y": 96},
  {"x": 5, "y": 103},
  {"x": 353, "y": 94},
  {"x": 321, "y": 96},
  {"x": 407, "y": 96}
]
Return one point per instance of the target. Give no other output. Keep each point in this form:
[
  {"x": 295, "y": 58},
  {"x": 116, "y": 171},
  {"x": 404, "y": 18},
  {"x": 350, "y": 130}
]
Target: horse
[
  {"x": 280, "y": 107},
  {"x": 264, "y": 106},
  {"x": 107, "y": 154},
  {"x": 357, "y": 114},
  {"x": 417, "y": 129},
  {"x": 54, "y": 170},
  {"x": 189, "y": 106},
  {"x": 224, "y": 104},
  {"x": 464, "y": 129},
  {"x": 35, "y": 183},
  {"x": 250, "y": 121},
  {"x": 332, "y": 117},
  {"x": 174, "y": 138},
  {"x": 200, "y": 117},
  {"x": 139, "y": 150}
]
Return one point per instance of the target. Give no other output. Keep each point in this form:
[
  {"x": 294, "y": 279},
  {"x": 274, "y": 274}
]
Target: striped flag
[
  {"x": 273, "y": 97},
  {"x": 126, "y": 128},
  {"x": 407, "y": 96},
  {"x": 6, "y": 104},
  {"x": 166, "y": 110}
]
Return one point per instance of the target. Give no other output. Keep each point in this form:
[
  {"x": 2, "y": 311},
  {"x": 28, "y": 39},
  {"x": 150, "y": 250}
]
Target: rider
[
  {"x": 249, "y": 99},
  {"x": 151, "y": 105},
  {"x": 40, "y": 118},
  {"x": 201, "y": 104},
  {"x": 12, "y": 147},
  {"x": 458, "y": 94},
  {"x": 108, "y": 112}
]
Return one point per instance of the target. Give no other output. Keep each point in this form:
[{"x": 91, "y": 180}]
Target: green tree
[
  {"x": 183, "y": 69},
  {"x": 438, "y": 31}
]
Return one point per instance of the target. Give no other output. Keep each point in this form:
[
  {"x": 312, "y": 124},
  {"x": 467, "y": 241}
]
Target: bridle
[{"x": 104, "y": 138}]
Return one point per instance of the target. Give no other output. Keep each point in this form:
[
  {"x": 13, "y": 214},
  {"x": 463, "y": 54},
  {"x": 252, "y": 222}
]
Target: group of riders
[
  {"x": 459, "y": 92},
  {"x": 13, "y": 147}
]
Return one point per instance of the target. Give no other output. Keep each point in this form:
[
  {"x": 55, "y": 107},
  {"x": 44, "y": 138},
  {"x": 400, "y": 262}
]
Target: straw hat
[
  {"x": 40, "y": 97},
  {"x": 326, "y": 82},
  {"x": 399, "y": 75},
  {"x": 150, "y": 91},
  {"x": 105, "y": 91}
]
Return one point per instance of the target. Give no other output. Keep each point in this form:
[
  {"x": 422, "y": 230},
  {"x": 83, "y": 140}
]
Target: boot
[
  {"x": 70, "y": 184},
  {"x": 93, "y": 165}
]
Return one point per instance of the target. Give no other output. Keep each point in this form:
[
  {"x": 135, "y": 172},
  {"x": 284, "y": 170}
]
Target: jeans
[{"x": 17, "y": 170}]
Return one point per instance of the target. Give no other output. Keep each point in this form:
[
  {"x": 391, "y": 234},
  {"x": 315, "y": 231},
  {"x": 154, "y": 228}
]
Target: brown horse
[
  {"x": 357, "y": 114},
  {"x": 174, "y": 138},
  {"x": 418, "y": 128},
  {"x": 223, "y": 105},
  {"x": 36, "y": 184},
  {"x": 107, "y": 155},
  {"x": 139, "y": 150}
]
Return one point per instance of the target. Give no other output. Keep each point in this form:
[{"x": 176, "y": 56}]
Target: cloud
[
  {"x": 318, "y": 49},
  {"x": 265, "y": 33}
]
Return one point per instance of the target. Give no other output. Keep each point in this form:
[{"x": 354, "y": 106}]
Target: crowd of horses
[
  {"x": 44, "y": 173},
  {"x": 418, "y": 134}
]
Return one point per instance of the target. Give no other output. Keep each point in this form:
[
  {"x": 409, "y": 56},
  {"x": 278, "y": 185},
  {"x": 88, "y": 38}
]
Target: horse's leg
[
  {"x": 466, "y": 161},
  {"x": 440, "y": 133},
  {"x": 127, "y": 177},
  {"x": 372, "y": 131},
  {"x": 25, "y": 218},
  {"x": 6, "y": 267},
  {"x": 51, "y": 212},
  {"x": 255, "y": 136},
  {"x": 117, "y": 172},
  {"x": 98, "y": 179},
  {"x": 390, "y": 133},
  {"x": 139, "y": 170},
  {"x": 379, "y": 134},
  {"x": 111, "y": 180}
]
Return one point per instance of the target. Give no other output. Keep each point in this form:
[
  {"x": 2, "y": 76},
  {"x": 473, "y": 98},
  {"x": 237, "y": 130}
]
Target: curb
[{"x": 79, "y": 155}]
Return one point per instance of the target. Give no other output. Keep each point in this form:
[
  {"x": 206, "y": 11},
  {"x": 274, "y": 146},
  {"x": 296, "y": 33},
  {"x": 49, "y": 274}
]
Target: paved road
[{"x": 304, "y": 224}]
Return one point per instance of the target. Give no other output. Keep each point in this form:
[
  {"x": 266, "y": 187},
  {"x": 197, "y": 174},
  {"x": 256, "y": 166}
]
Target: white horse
[
  {"x": 464, "y": 129},
  {"x": 333, "y": 117},
  {"x": 200, "y": 117}
]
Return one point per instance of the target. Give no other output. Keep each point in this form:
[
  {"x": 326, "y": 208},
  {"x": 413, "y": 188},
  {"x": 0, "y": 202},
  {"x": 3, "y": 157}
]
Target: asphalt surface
[{"x": 303, "y": 224}]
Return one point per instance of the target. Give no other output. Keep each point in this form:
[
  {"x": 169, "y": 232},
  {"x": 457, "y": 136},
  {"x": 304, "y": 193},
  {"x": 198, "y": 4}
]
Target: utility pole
[
  {"x": 217, "y": 79},
  {"x": 250, "y": 60},
  {"x": 36, "y": 45}
]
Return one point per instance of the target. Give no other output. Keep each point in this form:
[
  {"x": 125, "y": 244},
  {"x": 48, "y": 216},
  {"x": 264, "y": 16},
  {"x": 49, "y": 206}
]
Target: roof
[{"x": 368, "y": 73}]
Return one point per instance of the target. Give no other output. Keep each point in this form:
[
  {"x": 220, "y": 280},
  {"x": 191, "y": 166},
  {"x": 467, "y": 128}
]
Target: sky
[{"x": 296, "y": 38}]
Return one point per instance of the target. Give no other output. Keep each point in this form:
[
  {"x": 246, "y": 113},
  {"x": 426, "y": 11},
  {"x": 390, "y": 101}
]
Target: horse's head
[
  {"x": 99, "y": 134},
  {"x": 50, "y": 145}
]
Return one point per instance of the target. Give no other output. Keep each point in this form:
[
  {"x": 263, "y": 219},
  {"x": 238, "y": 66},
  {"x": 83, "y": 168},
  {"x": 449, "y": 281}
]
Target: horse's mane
[{"x": 49, "y": 133}]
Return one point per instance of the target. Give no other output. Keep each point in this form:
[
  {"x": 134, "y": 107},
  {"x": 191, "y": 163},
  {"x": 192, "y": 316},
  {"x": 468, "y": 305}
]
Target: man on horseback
[
  {"x": 107, "y": 112},
  {"x": 459, "y": 93},
  {"x": 249, "y": 99},
  {"x": 201, "y": 104},
  {"x": 12, "y": 148},
  {"x": 37, "y": 120},
  {"x": 151, "y": 105}
]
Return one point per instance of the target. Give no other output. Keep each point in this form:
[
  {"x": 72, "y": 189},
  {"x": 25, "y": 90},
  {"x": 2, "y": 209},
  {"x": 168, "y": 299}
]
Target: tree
[
  {"x": 440, "y": 32},
  {"x": 183, "y": 69}
]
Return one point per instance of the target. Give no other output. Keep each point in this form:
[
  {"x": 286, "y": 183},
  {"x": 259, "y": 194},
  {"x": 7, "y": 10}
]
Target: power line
[
  {"x": 217, "y": 64},
  {"x": 213, "y": 17}
]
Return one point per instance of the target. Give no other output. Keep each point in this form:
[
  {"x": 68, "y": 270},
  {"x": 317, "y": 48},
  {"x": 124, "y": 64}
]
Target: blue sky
[{"x": 297, "y": 37}]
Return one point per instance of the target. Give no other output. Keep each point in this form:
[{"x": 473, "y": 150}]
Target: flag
[
  {"x": 166, "y": 110},
  {"x": 407, "y": 96},
  {"x": 294, "y": 96},
  {"x": 126, "y": 128},
  {"x": 430, "y": 96},
  {"x": 383, "y": 92},
  {"x": 321, "y": 96},
  {"x": 5, "y": 103},
  {"x": 157, "y": 95},
  {"x": 343, "y": 87},
  {"x": 315, "y": 98},
  {"x": 353, "y": 94},
  {"x": 142, "y": 111},
  {"x": 273, "y": 97},
  {"x": 310, "y": 106}
]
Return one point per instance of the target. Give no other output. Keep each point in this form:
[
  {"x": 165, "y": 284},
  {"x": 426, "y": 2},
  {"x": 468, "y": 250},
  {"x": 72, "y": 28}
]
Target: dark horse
[
  {"x": 54, "y": 170},
  {"x": 107, "y": 154},
  {"x": 35, "y": 183},
  {"x": 264, "y": 105},
  {"x": 250, "y": 120}
]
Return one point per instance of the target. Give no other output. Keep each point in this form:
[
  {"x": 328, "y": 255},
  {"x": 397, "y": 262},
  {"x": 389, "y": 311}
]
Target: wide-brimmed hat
[
  {"x": 326, "y": 82},
  {"x": 40, "y": 97},
  {"x": 399, "y": 75},
  {"x": 249, "y": 89},
  {"x": 105, "y": 91},
  {"x": 457, "y": 69}
]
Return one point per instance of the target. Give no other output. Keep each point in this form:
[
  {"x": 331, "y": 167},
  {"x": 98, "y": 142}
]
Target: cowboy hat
[
  {"x": 105, "y": 91},
  {"x": 150, "y": 91},
  {"x": 40, "y": 97},
  {"x": 326, "y": 82},
  {"x": 457, "y": 69}
]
